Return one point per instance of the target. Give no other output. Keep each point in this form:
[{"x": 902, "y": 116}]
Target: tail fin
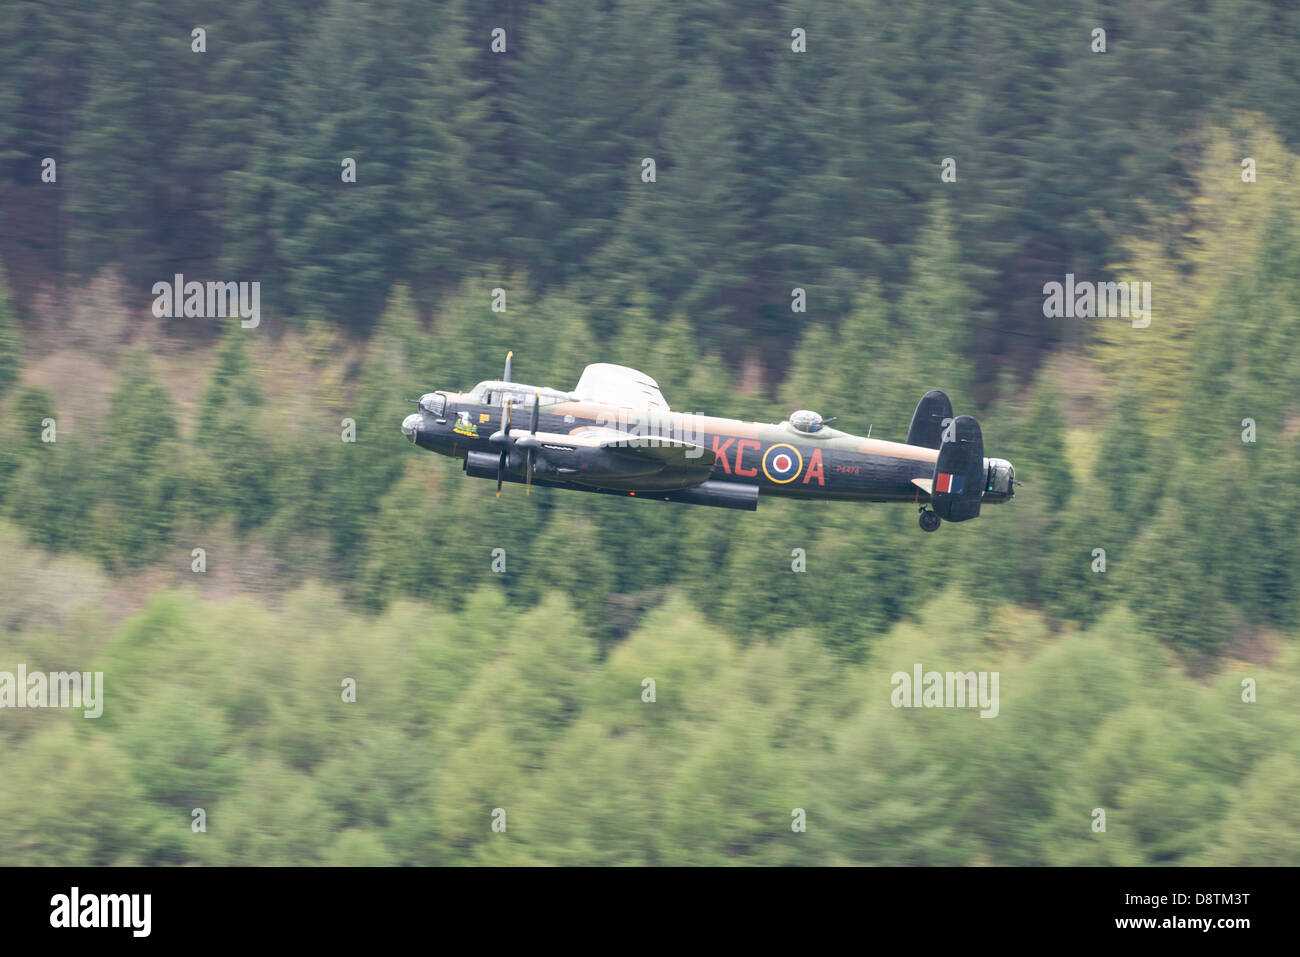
[
  {"x": 958, "y": 484},
  {"x": 928, "y": 421}
]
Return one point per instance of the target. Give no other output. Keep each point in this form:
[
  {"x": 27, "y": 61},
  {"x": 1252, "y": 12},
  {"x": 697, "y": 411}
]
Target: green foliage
[
  {"x": 238, "y": 709},
  {"x": 28, "y": 410},
  {"x": 135, "y": 506},
  {"x": 776, "y": 169},
  {"x": 11, "y": 358},
  {"x": 1040, "y": 447},
  {"x": 48, "y": 486}
]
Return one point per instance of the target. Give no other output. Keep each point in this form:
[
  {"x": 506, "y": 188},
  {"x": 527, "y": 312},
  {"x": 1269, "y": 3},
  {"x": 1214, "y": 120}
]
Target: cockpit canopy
[
  {"x": 495, "y": 392},
  {"x": 600, "y": 382},
  {"x": 805, "y": 420}
]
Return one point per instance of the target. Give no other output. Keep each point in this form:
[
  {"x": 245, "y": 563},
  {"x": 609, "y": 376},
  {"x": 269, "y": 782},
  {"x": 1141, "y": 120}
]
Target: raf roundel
[{"x": 782, "y": 463}]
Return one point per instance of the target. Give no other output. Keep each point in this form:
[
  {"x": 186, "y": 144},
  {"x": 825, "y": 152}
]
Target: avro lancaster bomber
[{"x": 614, "y": 434}]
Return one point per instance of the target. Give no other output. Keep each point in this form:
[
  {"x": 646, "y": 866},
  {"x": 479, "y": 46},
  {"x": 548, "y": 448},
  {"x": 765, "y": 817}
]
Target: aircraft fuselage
[{"x": 777, "y": 459}]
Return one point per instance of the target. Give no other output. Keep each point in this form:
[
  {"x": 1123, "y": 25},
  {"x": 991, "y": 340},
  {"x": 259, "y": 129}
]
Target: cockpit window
[
  {"x": 499, "y": 393},
  {"x": 806, "y": 421},
  {"x": 519, "y": 398}
]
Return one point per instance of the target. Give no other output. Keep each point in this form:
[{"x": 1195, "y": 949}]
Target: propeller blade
[
  {"x": 502, "y": 435},
  {"x": 505, "y": 447},
  {"x": 509, "y": 356},
  {"x": 528, "y": 459},
  {"x": 529, "y": 442},
  {"x": 537, "y": 411}
]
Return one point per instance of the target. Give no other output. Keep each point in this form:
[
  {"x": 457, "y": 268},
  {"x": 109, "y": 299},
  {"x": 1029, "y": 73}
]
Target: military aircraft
[{"x": 615, "y": 434}]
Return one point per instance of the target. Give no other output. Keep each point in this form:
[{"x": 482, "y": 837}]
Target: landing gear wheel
[{"x": 930, "y": 521}]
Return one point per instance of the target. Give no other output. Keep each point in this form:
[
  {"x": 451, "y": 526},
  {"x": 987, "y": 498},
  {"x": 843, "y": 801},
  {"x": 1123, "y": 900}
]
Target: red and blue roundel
[{"x": 782, "y": 463}]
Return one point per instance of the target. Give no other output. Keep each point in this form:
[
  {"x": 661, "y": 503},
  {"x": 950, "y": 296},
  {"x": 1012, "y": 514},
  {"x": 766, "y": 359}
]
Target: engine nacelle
[{"x": 484, "y": 465}]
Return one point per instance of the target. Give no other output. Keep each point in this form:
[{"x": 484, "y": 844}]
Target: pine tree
[
  {"x": 138, "y": 486},
  {"x": 11, "y": 349}
]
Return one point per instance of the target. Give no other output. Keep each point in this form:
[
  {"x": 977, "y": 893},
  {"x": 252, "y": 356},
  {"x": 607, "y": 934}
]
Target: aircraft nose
[{"x": 411, "y": 425}]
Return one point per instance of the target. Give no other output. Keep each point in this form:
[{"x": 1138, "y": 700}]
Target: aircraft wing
[
  {"x": 604, "y": 456},
  {"x": 673, "y": 453}
]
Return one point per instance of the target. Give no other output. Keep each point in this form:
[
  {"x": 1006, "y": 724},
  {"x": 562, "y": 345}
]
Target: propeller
[
  {"x": 502, "y": 439},
  {"x": 527, "y": 442},
  {"x": 530, "y": 442}
]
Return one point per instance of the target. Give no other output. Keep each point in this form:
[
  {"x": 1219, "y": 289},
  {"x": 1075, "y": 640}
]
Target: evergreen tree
[
  {"x": 11, "y": 349},
  {"x": 138, "y": 486}
]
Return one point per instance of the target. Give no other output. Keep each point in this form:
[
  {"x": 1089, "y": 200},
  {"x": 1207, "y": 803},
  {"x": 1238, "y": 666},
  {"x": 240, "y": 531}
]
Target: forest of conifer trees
[{"x": 1165, "y": 450}]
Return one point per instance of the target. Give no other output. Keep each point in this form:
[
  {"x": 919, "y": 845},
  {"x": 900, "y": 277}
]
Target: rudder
[
  {"x": 958, "y": 484},
  {"x": 932, "y": 414}
]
